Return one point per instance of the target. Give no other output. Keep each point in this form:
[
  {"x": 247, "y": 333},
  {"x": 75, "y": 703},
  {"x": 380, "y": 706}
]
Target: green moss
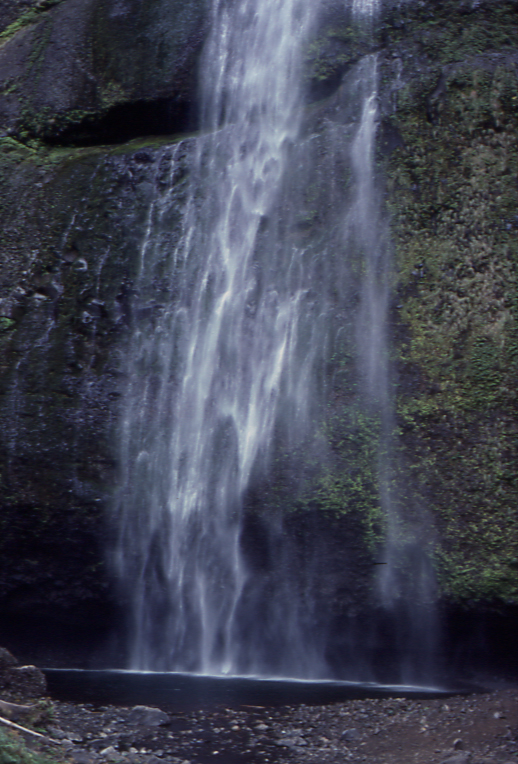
[
  {"x": 349, "y": 482},
  {"x": 30, "y": 17},
  {"x": 334, "y": 48},
  {"x": 6, "y": 324},
  {"x": 448, "y": 34},
  {"x": 14, "y": 751},
  {"x": 453, "y": 200}
]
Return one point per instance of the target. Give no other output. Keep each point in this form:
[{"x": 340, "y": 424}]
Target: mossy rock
[
  {"x": 64, "y": 62},
  {"x": 452, "y": 196}
]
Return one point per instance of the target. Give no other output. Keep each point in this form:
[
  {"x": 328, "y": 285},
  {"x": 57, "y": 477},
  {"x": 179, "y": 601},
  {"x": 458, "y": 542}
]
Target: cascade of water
[
  {"x": 228, "y": 333},
  {"x": 366, "y": 226},
  {"x": 406, "y": 581},
  {"x": 225, "y": 355}
]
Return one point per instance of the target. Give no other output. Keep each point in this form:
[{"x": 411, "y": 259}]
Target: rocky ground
[
  {"x": 477, "y": 729},
  {"x": 465, "y": 729}
]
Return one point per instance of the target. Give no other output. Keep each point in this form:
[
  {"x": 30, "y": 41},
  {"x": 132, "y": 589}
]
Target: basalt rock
[
  {"x": 7, "y": 660},
  {"x": 64, "y": 63},
  {"x": 64, "y": 302},
  {"x": 20, "y": 681},
  {"x": 148, "y": 716},
  {"x": 76, "y": 74}
]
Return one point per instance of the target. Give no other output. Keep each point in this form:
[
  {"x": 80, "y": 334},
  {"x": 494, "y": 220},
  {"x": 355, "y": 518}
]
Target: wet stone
[
  {"x": 73, "y": 737},
  {"x": 350, "y": 735},
  {"x": 82, "y": 757},
  {"x": 147, "y": 716},
  {"x": 28, "y": 681},
  {"x": 57, "y": 733},
  {"x": 7, "y": 660},
  {"x": 111, "y": 754},
  {"x": 458, "y": 758}
]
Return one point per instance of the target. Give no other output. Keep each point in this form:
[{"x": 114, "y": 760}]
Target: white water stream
[
  {"x": 230, "y": 358},
  {"x": 227, "y": 353}
]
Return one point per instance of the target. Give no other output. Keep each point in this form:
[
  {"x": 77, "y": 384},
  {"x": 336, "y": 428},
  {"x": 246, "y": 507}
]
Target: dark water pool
[{"x": 190, "y": 691}]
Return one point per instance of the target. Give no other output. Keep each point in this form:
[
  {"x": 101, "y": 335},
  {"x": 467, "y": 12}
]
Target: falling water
[
  {"x": 406, "y": 582},
  {"x": 366, "y": 9},
  {"x": 207, "y": 385},
  {"x": 229, "y": 333}
]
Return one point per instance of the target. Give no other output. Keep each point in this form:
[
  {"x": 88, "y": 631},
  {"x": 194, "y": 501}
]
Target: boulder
[
  {"x": 25, "y": 681},
  {"x": 7, "y": 660},
  {"x": 147, "y": 717},
  {"x": 64, "y": 60}
]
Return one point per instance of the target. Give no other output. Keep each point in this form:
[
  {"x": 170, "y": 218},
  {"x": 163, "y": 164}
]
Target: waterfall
[
  {"x": 230, "y": 334},
  {"x": 406, "y": 581},
  {"x": 207, "y": 385}
]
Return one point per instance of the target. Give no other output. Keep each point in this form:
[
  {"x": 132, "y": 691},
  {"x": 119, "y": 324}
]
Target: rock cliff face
[
  {"x": 85, "y": 88},
  {"x": 77, "y": 69}
]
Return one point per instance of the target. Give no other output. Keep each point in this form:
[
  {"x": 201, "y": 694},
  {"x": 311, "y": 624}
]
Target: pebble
[
  {"x": 111, "y": 754},
  {"x": 57, "y": 733},
  {"x": 351, "y": 734},
  {"x": 458, "y": 758},
  {"x": 74, "y": 737},
  {"x": 147, "y": 716},
  {"x": 82, "y": 757}
]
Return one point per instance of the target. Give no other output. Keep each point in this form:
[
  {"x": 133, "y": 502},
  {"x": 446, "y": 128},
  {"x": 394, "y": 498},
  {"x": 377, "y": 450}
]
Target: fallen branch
[{"x": 18, "y": 727}]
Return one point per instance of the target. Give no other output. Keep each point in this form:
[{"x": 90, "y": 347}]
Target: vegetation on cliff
[
  {"x": 453, "y": 199},
  {"x": 73, "y": 220}
]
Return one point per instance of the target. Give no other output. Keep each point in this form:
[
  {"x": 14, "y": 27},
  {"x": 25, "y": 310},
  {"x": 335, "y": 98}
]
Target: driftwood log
[
  {"x": 32, "y": 713},
  {"x": 25, "y": 731}
]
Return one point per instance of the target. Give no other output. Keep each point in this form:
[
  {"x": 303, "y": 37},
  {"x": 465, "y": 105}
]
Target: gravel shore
[{"x": 469, "y": 729}]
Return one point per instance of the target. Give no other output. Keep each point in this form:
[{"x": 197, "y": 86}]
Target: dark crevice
[
  {"x": 318, "y": 89},
  {"x": 128, "y": 121}
]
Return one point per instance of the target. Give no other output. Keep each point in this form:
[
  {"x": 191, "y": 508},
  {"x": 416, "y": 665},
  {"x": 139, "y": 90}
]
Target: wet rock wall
[{"x": 80, "y": 79}]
